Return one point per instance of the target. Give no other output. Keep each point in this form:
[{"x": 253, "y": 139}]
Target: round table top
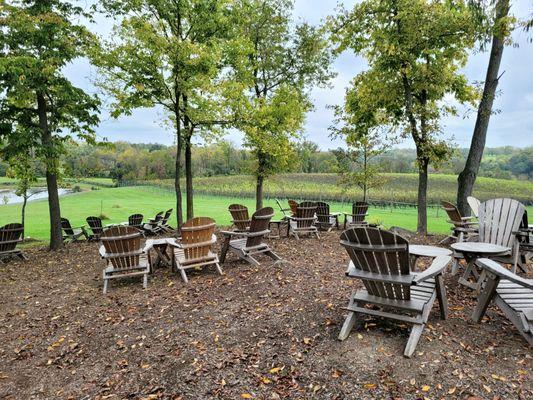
[
  {"x": 421, "y": 250},
  {"x": 479, "y": 248}
]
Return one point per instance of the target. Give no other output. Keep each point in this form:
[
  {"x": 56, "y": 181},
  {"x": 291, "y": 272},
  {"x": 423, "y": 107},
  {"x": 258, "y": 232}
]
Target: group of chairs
[{"x": 154, "y": 226}]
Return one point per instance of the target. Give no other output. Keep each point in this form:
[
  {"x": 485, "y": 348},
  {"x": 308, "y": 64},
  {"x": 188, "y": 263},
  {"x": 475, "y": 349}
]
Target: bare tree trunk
[
  {"x": 467, "y": 177},
  {"x": 259, "y": 192},
  {"x": 422, "y": 225},
  {"x": 23, "y": 216},
  {"x": 188, "y": 177},
  {"x": 56, "y": 239},
  {"x": 177, "y": 170}
]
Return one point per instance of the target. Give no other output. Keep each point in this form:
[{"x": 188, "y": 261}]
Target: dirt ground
[{"x": 265, "y": 332}]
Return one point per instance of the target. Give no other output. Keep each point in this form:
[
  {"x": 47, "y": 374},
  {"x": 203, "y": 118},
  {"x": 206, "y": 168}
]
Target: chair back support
[
  {"x": 165, "y": 219},
  {"x": 293, "y": 206},
  {"x": 122, "y": 245},
  {"x": 197, "y": 237},
  {"x": 322, "y": 213},
  {"x": 306, "y": 214},
  {"x": 136, "y": 220},
  {"x": 260, "y": 220},
  {"x": 498, "y": 219},
  {"x": 240, "y": 216},
  {"x": 359, "y": 211},
  {"x": 67, "y": 228},
  {"x": 380, "y": 252},
  {"x": 10, "y": 235},
  {"x": 474, "y": 204},
  {"x": 453, "y": 213},
  {"x": 95, "y": 223}
]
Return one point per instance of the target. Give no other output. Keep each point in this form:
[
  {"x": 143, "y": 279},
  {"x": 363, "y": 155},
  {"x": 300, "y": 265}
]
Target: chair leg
[
  {"x": 414, "y": 337},
  {"x": 349, "y": 322},
  {"x": 441, "y": 297},
  {"x": 224, "y": 250},
  {"x": 105, "y": 285},
  {"x": 219, "y": 270},
  {"x": 485, "y": 297},
  {"x": 145, "y": 281},
  {"x": 183, "y": 275},
  {"x": 455, "y": 266}
]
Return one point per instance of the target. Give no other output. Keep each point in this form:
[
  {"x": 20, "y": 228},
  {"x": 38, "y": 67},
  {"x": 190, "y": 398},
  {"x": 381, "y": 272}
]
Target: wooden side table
[
  {"x": 161, "y": 249},
  {"x": 418, "y": 250}
]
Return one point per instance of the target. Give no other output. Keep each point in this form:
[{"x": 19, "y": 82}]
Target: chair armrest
[
  {"x": 233, "y": 233},
  {"x": 466, "y": 219},
  {"x": 497, "y": 269},
  {"x": 436, "y": 268}
]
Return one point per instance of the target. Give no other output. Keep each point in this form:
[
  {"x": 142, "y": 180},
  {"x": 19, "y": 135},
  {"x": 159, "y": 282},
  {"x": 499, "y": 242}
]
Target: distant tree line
[{"x": 127, "y": 162}]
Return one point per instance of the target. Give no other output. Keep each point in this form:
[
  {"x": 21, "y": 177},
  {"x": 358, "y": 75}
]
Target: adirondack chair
[
  {"x": 72, "y": 234},
  {"x": 326, "y": 220},
  {"x": 247, "y": 244},
  {"x": 240, "y": 216},
  {"x": 124, "y": 255},
  {"x": 511, "y": 293},
  {"x": 358, "y": 215},
  {"x": 293, "y": 205},
  {"x": 380, "y": 259},
  {"x": 194, "y": 251},
  {"x": 283, "y": 210},
  {"x": 10, "y": 236},
  {"x": 304, "y": 220},
  {"x": 474, "y": 204},
  {"x": 164, "y": 226},
  {"x": 152, "y": 227},
  {"x": 461, "y": 226},
  {"x": 136, "y": 220},
  {"x": 95, "y": 223},
  {"x": 499, "y": 221},
  {"x": 525, "y": 243}
]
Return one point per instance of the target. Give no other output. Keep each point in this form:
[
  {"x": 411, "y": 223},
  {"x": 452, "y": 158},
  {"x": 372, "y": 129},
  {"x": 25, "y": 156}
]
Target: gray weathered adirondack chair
[
  {"x": 247, "y": 244},
  {"x": 511, "y": 293},
  {"x": 164, "y": 226},
  {"x": 461, "y": 226},
  {"x": 72, "y": 234},
  {"x": 293, "y": 205},
  {"x": 357, "y": 216},
  {"x": 380, "y": 259},
  {"x": 326, "y": 220},
  {"x": 10, "y": 236},
  {"x": 194, "y": 251},
  {"x": 152, "y": 227},
  {"x": 304, "y": 220},
  {"x": 95, "y": 223},
  {"x": 124, "y": 255},
  {"x": 499, "y": 221},
  {"x": 525, "y": 242},
  {"x": 474, "y": 204},
  {"x": 136, "y": 220},
  {"x": 241, "y": 218}
]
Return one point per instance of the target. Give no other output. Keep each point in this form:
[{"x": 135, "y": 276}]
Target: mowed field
[{"x": 118, "y": 203}]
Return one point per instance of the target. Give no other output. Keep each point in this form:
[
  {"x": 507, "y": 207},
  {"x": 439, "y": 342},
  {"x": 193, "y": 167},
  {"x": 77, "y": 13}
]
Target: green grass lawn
[{"x": 118, "y": 203}]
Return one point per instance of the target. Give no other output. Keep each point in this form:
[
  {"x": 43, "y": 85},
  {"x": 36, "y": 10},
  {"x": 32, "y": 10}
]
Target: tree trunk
[
  {"x": 23, "y": 215},
  {"x": 188, "y": 177},
  {"x": 56, "y": 239},
  {"x": 259, "y": 192},
  {"x": 177, "y": 169},
  {"x": 468, "y": 176},
  {"x": 422, "y": 226}
]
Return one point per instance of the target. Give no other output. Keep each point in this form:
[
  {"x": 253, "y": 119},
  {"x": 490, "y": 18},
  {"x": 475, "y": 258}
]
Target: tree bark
[
  {"x": 422, "y": 225},
  {"x": 56, "y": 239},
  {"x": 23, "y": 215},
  {"x": 188, "y": 176},
  {"x": 177, "y": 170},
  {"x": 259, "y": 192},
  {"x": 467, "y": 177}
]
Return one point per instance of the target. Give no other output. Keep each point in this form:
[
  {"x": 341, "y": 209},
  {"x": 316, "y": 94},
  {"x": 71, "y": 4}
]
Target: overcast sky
[{"x": 512, "y": 125}]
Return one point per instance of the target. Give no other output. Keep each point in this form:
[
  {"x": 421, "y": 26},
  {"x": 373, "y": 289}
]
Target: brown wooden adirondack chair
[
  {"x": 72, "y": 234},
  {"x": 247, "y": 244},
  {"x": 326, "y": 220},
  {"x": 95, "y": 223},
  {"x": 124, "y": 255},
  {"x": 10, "y": 236},
  {"x": 136, "y": 220},
  {"x": 240, "y": 216},
  {"x": 293, "y": 205},
  {"x": 304, "y": 220},
  {"x": 194, "y": 251},
  {"x": 511, "y": 293},
  {"x": 358, "y": 215},
  {"x": 499, "y": 222},
  {"x": 380, "y": 259},
  {"x": 462, "y": 226}
]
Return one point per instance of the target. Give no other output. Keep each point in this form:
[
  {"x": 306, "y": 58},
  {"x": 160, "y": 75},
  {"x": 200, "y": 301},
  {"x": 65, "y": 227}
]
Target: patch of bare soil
[{"x": 265, "y": 332}]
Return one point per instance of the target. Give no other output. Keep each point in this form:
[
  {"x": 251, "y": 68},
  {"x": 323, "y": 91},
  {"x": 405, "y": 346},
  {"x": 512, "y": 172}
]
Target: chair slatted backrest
[
  {"x": 322, "y": 213},
  {"x": 66, "y": 226},
  {"x": 260, "y": 221},
  {"x": 241, "y": 218},
  {"x": 166, "y": 217},
  {"x": 359, "y": 211},
  {"x": 136, "y": 220},
  {"x": 196, "y": 237},
  {"x": 453, "y": 213},
  {"x": 10, "y": 235},
  {"x": 293, "y": 205},
  {"x": 380, "y": 252},
  {"x": 306, "y": 214},
  {"x": 95, "y": 223},
  {"x": 498, "y": 219},
  {"x": 474, "y": 204},
  {"x": 122, "y": 245}
]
